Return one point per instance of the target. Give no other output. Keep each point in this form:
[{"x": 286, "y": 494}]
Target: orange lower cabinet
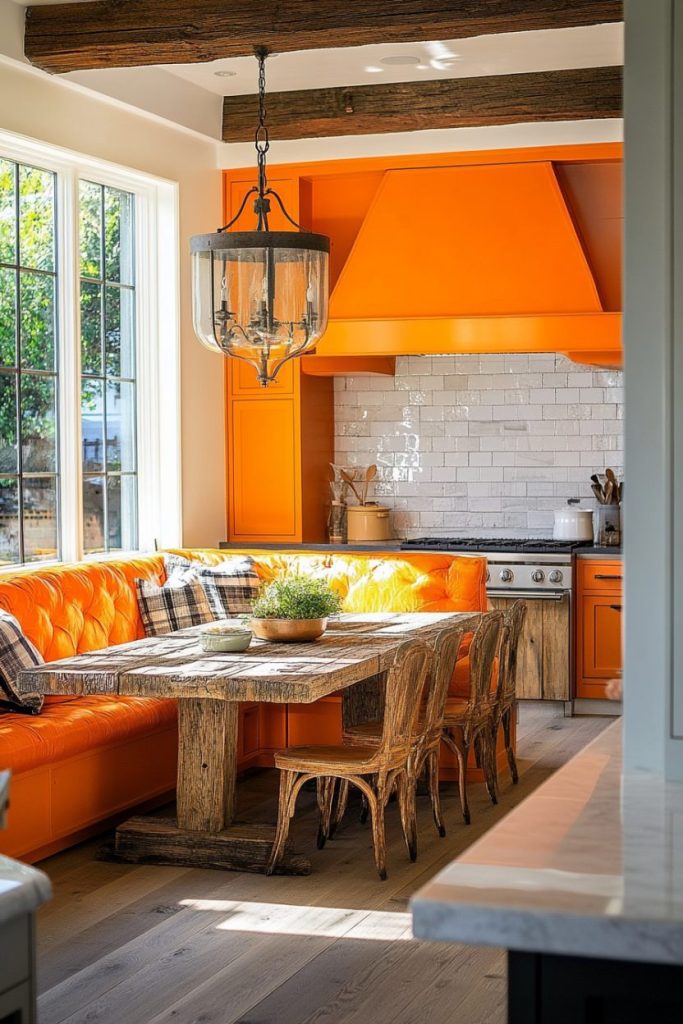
[
  {"x": 598, "y": 628},
  {"x": 248, "y": 747},
  {"x": 272, "y": 727}
]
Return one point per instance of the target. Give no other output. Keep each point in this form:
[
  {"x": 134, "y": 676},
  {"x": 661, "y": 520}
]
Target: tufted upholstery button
[
  {"x": 74, "y": 608},
  {"x": 398, "y": 582}
]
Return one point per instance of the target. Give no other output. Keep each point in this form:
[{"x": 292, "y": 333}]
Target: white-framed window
[{"x": 89, "y": 357}]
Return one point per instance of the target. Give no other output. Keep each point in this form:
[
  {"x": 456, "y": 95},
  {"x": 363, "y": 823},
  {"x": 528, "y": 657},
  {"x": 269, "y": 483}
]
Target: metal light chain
[{"x": 261, "y": 141}]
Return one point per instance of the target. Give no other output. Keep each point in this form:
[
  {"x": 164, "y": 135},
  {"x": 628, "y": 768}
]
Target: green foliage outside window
[{"x": 28, "y": 362}]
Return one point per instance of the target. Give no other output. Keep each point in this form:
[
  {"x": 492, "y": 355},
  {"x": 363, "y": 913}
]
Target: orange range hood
[{"x": 480, "y": 258}]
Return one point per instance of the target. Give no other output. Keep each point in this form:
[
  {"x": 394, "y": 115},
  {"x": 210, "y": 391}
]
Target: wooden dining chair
[
  {"x": 375, "y": 770},
  {"x": 424, "y": 754},
  {"x": 506, "y": 693},
  {"x": 468, "y": 721}
]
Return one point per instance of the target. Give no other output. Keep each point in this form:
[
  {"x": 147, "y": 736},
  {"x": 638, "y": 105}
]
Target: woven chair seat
[{"x": 323, "y": 760}]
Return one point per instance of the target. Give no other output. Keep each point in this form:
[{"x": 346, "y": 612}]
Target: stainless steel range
[{"x": 541, "y": 572}]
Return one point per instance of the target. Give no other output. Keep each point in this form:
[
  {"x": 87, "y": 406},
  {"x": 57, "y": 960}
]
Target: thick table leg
[
  {"x": 205, "y": 833},
  {"x": 207, "y": 764}
]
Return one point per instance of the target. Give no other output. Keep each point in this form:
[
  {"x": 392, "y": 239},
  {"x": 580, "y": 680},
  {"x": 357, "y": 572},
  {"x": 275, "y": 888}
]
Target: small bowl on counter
[{"x": 228, "y": 636}]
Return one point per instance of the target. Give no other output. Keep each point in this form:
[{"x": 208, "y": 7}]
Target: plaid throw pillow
[
  {"x": 177, "y": 604},
  {"x": 230, "y": 587},
  {"x": 16, "y": 653}
]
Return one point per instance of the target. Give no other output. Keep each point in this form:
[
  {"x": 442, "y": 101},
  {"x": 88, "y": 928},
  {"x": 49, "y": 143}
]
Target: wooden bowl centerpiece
[{"x": 293, "y": 609}]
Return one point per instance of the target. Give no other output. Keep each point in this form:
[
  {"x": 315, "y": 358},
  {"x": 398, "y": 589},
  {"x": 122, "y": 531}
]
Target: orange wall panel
[
  {"x": 339, "y": 204},
  {"x": 318, "y": 723},
  {"x": 595, "y": 194}
]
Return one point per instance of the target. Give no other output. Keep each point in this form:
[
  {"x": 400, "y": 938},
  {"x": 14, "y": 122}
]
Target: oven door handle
[{"x": 527, "y": 595}]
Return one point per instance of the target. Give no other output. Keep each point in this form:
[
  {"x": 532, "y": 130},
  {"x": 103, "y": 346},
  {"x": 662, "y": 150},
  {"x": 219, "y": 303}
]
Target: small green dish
[{"x": 229, "y": 641}]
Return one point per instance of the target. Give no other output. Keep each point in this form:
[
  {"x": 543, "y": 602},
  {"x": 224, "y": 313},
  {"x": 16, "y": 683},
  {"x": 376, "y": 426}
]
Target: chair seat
[{"x": 322, "y": 760}]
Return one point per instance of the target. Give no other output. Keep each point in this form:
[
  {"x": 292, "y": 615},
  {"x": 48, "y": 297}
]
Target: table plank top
[{"x": 353, "y": 648}]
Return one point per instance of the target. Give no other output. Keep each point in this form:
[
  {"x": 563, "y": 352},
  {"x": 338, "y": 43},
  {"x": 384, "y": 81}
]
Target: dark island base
[{"x": 545, "y": 989}]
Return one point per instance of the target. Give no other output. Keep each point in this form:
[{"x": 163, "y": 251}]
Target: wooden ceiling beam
[
  {"x": 570, "y": 95},
  {"x": 110, "y": 33}
]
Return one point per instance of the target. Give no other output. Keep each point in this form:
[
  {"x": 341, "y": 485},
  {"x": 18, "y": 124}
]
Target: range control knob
[
  {"x": 538, "y": 575},
  {"x": 488, "y": 575},
  {"x": 507, "y": 575},
  {"x": 556, "y": 576}
]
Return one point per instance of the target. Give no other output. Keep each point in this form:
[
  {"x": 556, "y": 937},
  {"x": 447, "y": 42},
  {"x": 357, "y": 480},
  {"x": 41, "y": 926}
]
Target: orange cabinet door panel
[
  {"x": 264, "y": 493},
  {"x": 601, "y": 637}
]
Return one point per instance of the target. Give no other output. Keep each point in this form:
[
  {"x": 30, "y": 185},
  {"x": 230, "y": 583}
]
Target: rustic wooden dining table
[{"x": 352, "y": 656}]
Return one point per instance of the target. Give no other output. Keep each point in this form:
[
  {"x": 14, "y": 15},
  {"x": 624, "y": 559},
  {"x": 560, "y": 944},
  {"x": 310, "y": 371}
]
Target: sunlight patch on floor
[{"x": 286, "y": 919}]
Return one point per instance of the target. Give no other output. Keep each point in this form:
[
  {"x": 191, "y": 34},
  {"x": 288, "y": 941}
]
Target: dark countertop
[
  {"x": 391, "y": 546},
  {"x": 387, "y": 545},
  {"x": 598, "y": 552}
]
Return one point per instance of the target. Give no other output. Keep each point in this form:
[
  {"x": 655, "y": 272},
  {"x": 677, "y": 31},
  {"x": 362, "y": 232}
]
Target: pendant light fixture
[{"x": 260, "y": 295}]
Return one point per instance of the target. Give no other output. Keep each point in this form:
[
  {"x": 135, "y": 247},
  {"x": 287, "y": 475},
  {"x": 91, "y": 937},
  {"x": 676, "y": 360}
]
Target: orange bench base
[{"x": 56, "y": 805}]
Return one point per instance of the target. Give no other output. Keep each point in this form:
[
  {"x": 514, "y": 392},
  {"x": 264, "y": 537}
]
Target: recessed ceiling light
[
  {"x": 399, "y": 59},
  {"x": 225, "y": 74}
]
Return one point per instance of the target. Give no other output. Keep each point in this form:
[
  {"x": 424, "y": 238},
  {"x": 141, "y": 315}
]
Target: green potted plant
[{"x": 293, "y": 608}]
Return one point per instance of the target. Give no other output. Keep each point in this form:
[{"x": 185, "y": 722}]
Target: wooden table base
[{"x": 241, "y": 847}]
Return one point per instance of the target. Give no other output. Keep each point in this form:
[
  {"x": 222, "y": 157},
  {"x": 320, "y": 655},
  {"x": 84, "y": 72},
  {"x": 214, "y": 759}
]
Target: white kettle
[{"x": 573, "y": 524}]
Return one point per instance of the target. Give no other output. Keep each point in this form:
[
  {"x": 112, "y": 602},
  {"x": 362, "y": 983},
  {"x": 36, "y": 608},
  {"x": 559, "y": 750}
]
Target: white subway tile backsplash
[{"x": 481, "y": 443}]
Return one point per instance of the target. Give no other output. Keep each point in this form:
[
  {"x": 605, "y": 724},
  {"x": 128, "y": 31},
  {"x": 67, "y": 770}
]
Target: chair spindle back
[
  {"x": 485, "y": 647},
  {"x": 404, "y": 689}
]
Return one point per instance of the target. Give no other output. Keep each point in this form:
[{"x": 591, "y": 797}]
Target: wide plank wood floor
[{"x": 123, "y": 944}]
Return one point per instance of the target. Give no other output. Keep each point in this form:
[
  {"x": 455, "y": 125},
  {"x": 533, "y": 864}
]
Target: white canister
[{"x": 573, "y": 524}]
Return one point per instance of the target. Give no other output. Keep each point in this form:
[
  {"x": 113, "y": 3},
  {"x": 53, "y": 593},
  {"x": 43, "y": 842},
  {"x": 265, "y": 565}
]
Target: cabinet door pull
[
  {"x": 606, "y": 576},
  {"x": 615, "y": 607}
]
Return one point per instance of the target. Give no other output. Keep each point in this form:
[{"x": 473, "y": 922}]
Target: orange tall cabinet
[
  {"x": 280, "y": 439},
  {"x": 598, "y": 624}
]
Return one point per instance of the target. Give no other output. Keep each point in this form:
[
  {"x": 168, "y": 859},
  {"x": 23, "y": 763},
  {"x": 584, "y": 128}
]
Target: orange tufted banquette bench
[{"x": 85, "y": 760}]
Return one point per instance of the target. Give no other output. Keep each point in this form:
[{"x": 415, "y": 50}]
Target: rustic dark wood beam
[
  {"x": 111, "y": 33},
  {"x": 447, "y": 103}
]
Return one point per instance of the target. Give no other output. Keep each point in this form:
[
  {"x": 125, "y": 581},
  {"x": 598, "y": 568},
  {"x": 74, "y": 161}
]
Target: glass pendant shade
[{"x": 261, "y": 296}]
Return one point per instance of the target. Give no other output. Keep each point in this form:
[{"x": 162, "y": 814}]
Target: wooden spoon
[
  {"x": 370, "y": 474},
  {"x": 348, "y": 479}
]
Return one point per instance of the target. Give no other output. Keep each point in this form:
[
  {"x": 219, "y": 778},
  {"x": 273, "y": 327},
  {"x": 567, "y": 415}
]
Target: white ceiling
[
  {"x": 505, "y": 54},
  {"x": 189, "y": 95}
]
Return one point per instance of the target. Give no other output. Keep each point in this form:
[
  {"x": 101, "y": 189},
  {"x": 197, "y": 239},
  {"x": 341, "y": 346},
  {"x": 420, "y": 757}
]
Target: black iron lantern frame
[{"x": 273, "y": 342}]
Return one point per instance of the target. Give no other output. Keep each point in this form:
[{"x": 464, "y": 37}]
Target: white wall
[
  {"x": 46, "y": 108},
  {"x": 481, "y": 444}
]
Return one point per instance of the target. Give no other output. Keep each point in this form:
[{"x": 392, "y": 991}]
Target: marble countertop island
[
  {"x": 590, "y": 864},
  {"x": 22, "y": 889}
]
